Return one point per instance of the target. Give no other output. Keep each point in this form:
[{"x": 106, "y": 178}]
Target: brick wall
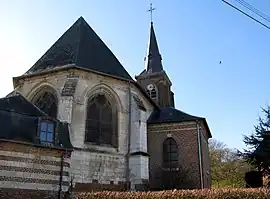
[
  {"x": 185, "y": 134},
  {"x": 30, "y": 169},
  {"x": 205, "y": 157}
]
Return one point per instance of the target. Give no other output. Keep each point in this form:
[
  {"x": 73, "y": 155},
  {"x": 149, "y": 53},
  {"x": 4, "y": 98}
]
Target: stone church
[{"x": 78, "y": 111}]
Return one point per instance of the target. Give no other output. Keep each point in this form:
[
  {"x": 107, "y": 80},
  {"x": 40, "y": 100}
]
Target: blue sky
[{"x": 193, "y": 36}]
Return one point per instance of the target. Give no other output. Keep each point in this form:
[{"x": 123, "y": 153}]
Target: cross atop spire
[{"x": 151, "y": 12}]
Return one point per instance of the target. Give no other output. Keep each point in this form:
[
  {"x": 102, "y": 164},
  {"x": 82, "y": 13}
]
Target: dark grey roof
[
  {"x": 15, "y": 102},
  {"x": 171, "y": 115},
  {"x": 21, "y": 119},
  {"x": 80, "y": 46},
  {"x": 154, "y": 58}
]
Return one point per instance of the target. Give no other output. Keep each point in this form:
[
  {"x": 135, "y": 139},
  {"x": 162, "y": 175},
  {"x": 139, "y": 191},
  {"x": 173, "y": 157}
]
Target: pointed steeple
[{"x": 153, "y": 58}]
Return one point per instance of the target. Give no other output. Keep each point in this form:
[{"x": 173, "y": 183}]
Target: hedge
[{"x": 198, "y": 194}]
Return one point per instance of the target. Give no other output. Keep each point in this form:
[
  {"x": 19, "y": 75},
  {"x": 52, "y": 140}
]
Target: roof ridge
[
  {"x": 80, "y": 20},
  {"x": 187, "y": 113}
]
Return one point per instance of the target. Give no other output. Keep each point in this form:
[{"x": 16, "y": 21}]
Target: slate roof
[
  {"x": 171, "y": 115},
  {"x": 15, "y": 102},
  {"x": 20, "y": 118},
  {"x": 82, "y": 47},
  {"x": 154, "y": 58}
]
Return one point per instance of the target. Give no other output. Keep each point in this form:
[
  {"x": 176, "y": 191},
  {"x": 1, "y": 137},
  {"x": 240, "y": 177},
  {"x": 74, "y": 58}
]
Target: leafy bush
[
  {"x": 227, "y": 168},
  {"x": 186, "y": 194}
]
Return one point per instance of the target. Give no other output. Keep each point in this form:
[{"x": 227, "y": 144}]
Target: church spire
[{"x": 153, "y": 58}]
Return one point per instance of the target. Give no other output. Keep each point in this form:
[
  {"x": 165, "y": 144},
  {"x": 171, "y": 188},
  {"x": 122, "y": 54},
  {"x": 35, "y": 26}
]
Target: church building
[{"x": 78, "y": 111}]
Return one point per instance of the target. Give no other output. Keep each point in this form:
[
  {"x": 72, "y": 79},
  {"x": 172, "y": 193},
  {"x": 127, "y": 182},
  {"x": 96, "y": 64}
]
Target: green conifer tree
[{"x": 258, "y": 143}]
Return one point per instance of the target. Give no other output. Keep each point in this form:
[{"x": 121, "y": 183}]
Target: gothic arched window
[
  {"x": 101, "y": 121},
  {"x": 47, "y": 102},
  {"x": 170, "y": 152}
]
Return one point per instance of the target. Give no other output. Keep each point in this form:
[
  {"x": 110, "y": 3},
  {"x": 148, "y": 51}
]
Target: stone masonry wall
[
  {"x": 28, "y": 168},
  {"x": 113, "y": 169},
  {"x": 73, "y": 110},
  {"x": 89, "y": 167},
  {"x": 138, "y": 161}
]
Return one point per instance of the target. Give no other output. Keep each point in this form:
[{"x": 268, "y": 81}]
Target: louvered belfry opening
[
  {"x": 101, "y": 121},
  {"x": 152, "y": 93},
  {"x": 47, "y": 102}
]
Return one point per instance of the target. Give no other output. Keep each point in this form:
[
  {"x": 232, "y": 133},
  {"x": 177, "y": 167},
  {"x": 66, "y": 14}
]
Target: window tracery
[
  {"x": 47, "y": 102},
  {"x": 101, "y": 121},
  {"x": 170, "y": 152}
]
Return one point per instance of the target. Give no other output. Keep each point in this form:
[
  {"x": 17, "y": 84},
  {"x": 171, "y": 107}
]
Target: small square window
[{"x": 46, "y": 132}]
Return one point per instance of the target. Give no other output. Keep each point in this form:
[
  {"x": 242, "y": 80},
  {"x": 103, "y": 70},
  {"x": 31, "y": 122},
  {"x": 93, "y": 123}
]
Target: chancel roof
[{"x": 83, "y": 48}]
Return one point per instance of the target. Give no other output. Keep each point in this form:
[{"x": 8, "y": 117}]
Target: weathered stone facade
[{"x": 102, "y": 164}]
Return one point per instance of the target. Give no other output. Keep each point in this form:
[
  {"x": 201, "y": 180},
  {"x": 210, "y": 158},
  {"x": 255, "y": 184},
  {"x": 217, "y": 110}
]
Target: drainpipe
[
  {"x": 61, "y": 175},
  {"x": 129, "y": 134},
  {"x": 200, "y": 154}
]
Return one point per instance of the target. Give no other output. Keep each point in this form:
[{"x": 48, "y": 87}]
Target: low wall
[
  {"x": 30, "y": 169},
  {"x": 27, "y": 194}
]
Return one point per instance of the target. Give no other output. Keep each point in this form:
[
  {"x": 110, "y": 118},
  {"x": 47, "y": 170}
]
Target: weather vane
[{"x": 151, "y": 12}]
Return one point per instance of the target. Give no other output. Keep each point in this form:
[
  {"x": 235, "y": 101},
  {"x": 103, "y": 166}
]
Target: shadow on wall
[{"x": 175, "y": 178}]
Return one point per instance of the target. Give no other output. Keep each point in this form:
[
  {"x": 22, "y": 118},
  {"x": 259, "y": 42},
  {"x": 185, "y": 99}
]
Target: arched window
[
  {"x": 152, "y": 92},
  {"x": 170, "y": 152},
  {"x": 101, "y": 121},
  {"x": 47, "y": 102}
]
